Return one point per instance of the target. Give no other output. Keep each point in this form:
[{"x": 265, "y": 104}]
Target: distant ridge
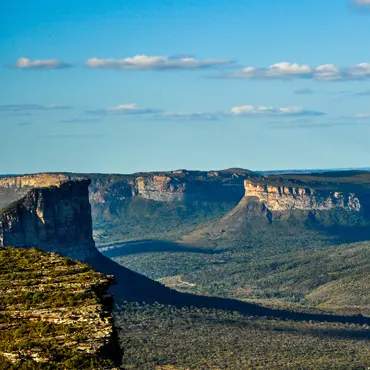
[{"x": 318, "y": 170}]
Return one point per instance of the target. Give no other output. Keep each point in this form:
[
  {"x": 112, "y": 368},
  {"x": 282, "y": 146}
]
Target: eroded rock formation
[
  {"x": 286, "y": 198},
  {"x": 55, "y": 219}
]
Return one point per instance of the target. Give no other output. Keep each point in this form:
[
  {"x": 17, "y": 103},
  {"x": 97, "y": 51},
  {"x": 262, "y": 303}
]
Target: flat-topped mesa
[
  {"x": 13, "y": 188},
  {"x": 39, "y": 180},
  {"x": 175, "y": 186},
  {"x": 287, "y": 198},
  {"x": 54, "y": 219}
]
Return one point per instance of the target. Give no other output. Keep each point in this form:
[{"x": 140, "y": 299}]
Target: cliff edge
[{"x": 54, "y": 219}]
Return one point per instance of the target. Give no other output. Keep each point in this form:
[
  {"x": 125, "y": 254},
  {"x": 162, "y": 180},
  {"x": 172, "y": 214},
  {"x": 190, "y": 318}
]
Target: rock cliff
[
  {"x": 55, "y": 219},
  {"x": 13, "y": 188},
  {"x": 287, "y": 198},
  {"x": 173, "y": 186}
]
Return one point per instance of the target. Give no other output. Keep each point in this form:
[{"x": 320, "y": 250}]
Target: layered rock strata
[
  {"x": 284, "y": 199},
  {"x": 55, "y": 219}
]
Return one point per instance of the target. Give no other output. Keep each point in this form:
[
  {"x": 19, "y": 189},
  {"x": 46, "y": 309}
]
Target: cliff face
[
  {"x": 15, "y": 187},
  {"x": 55, "y": 219},
  {"x": 175, "y": 186},
  {"x": 284, "y": 199}
]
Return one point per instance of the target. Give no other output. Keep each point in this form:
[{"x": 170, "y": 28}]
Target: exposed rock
[
  {"x": 13, "y": 188},
  {"x": 63, "y": 300},
  {"x": 55, "y": 219},
  {"x": 283, "y": 198}
]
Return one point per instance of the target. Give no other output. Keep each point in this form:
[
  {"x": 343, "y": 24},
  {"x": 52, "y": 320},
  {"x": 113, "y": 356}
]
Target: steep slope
[{"x": 55, "y": 219}]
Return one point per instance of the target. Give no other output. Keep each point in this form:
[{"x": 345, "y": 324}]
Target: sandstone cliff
[
  {"x": 287, "y": 198},
  {"x": 55, "y": 219},
  {"x": 174, "y": 186},
  {"x": 13, "y": 188}
]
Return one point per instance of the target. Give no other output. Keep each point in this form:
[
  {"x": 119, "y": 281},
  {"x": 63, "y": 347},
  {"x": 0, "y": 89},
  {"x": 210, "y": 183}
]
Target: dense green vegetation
[
  {"x": 42, "y": 298},
  {"x": 301, "y": 271},
  {"x": 147, "y": 219},
  {"x": 163, "y": 337}
]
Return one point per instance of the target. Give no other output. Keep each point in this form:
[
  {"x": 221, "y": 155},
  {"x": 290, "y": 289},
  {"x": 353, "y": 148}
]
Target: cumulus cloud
[
  {"x": 31, "y": 107},
  {"x": 250, "y": 110},
  {"x": 25, "y": 63},
  {"x": 145, "y": 62},
  {"x": 286, "y": 70}
]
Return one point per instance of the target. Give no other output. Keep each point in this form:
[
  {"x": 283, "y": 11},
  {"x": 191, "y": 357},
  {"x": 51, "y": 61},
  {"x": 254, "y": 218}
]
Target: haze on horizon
[{"x": 130, "y": 86}]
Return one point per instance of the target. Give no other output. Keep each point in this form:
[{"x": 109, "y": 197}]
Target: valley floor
[{"x": 164, "y": 337}]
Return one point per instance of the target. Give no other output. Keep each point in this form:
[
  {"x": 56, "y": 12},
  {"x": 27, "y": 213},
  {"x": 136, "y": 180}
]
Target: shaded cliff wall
[{"x": 55, "y": 219}]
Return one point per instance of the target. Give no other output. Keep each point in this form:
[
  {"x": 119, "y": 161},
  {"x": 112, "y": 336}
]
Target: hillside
[
  {"x": 54, "y": 313},
  {"x": 299, "y": 241}
]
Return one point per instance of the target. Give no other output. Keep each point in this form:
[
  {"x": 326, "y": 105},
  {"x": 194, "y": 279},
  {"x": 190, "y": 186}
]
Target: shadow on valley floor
[
  {"x": 133, "y": 287},
  {"x": 316, "y": 332},
  {"x": 152, "y": 246}
]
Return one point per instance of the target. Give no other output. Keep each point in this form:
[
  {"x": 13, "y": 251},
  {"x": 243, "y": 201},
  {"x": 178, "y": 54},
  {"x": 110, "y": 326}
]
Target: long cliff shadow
[
  {"x": 156, "y": 246},
  {"x": 315, "y": 332},
  {"x": 133, "y": 287}
]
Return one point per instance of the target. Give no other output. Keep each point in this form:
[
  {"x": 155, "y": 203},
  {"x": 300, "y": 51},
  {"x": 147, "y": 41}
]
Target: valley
[{"x": 275, "y": 276}]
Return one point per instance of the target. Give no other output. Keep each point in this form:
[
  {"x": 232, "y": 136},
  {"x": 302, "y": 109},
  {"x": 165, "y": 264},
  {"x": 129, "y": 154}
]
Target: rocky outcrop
[
  {"x": 174, "y": 186},
  {"x": 64, "y": 301},
  {"x": 13, "y": 188},
  {"x": 286, "y": 198},
  {"x": 55, "y": 219}
]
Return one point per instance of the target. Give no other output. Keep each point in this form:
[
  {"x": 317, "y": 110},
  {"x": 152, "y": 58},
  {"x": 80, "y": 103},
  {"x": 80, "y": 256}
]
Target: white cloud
[
  {"x": 286, "y": 70},
  {"x": 360, "y": 3},
  {"x": 145, "y": 62},
  {"x": 362, "y": 115},
  {"x": 205, "y": 116},
  {"x": 236, "y": 111},
  {"x": 124, "y": 109},
  {"x": 360, "y": 71},
  {"x": 31, "y": 107},
  {"x": 327, "y": 72},
  {"x": 250, "y": 110},
  {"x": 25, "y": 63}
]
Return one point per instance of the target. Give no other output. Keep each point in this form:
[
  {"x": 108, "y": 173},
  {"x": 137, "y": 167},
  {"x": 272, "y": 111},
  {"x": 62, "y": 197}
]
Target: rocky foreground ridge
[{"x": 54, "y": 313}]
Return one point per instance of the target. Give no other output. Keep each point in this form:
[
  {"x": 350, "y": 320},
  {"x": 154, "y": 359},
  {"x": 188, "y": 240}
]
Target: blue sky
[{"x": 126, "y": 86}]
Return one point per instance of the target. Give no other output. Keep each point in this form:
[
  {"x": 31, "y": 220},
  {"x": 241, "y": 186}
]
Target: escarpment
[
  {"x": 13, "y": 188},
  {"x": 283, "y": 198},
  {"x": 55, "y": 219},
  {"x": 174, "y": 186}
]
